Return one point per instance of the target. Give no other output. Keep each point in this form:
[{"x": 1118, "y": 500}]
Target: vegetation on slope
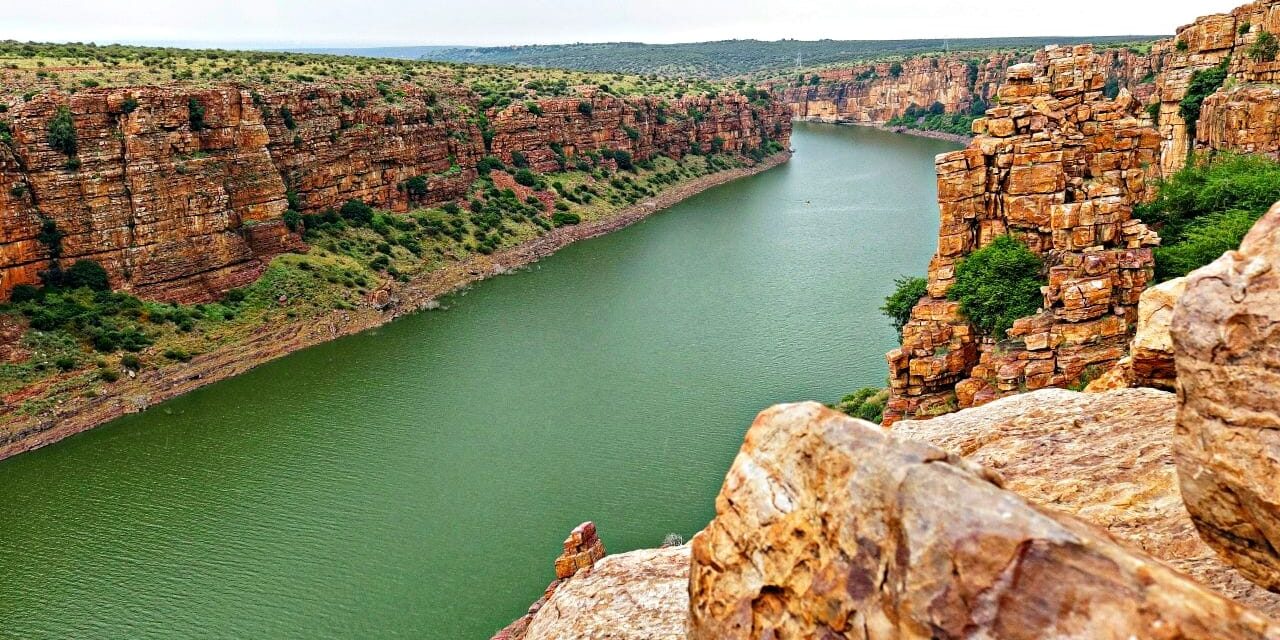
[
  {"x": 999, "y": 284},
  {"x": 1207, "y": 208},
  {"x": 907, "y": 292},
  {"x": 78, "y": 337},
  {"x": 732, "y": 57},
  {"x": 27, "y": 68}
]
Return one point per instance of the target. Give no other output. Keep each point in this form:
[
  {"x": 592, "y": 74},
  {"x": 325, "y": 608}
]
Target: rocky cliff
[
  {"x": 179, "y": 191},
  {"x": 878, "y": 92},
  {"x": 1240, "y": 116},
  {"x": 1058, "y": 166}
]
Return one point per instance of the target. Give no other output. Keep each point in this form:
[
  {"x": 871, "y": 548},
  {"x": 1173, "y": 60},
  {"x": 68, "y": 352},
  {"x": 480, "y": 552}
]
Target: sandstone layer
[
  {"x": 179, "y": 191},
  {"x": 830, "y": 527},
  {"x": 1227, "y": 348},
  {"x": 1107, "y": 459},
  {"x": 1059, "y": 167},
  {"x": 877, "y": 92}
]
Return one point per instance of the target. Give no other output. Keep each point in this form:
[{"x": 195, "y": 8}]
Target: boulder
[
  {"x": 1152, "y": 347},
  {"x": 1106, "y": 459},
  {"x": 630, "y": 596},
  {"x": 1226, "y": 337},
  {"x": 830, "y": 527}
]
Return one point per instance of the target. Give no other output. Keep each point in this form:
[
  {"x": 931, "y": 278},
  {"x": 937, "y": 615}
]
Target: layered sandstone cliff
[
  {"x": 179, "y": 191},
  {"x": 1243, "y": 114},
  {"x": 1058, "y": 166},
  {"x": 875, "y": 93}
]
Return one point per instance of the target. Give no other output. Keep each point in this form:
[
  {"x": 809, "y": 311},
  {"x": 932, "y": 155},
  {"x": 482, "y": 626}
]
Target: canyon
[
  {"x": 179, "y": 192},
  {"x": 990, "y": 502}
]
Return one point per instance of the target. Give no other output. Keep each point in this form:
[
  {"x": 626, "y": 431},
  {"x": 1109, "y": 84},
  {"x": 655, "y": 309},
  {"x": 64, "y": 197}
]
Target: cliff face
[
  {"x": 1059, "y": 167},
  {"x": 873, "y": 94},
  {"x": 182, "y": 206},
  {"x": 1240, "y": 117}
]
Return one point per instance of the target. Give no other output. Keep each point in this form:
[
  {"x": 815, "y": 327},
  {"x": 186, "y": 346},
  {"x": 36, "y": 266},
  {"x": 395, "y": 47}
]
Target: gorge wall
[
  {"x": 1060, "y": 167},
  {"x": 179, "y": 191},
  {"x": 878, "y": 92}
]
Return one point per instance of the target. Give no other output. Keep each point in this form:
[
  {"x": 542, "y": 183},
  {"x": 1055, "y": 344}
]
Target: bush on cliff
[
  {"x": 999, "y": 284},
  {"x": 1204, "y": 83},
  {"x": 899, "y": 304},
  {"x": 357, "y": 212},
  {"x": 866, "y": 404},
  {"x": 1205, "y": 209},
  {"x": 1265, "y": 48},
  {"x": 86, "y": 273},
  {"x": 62, "y": 132}
]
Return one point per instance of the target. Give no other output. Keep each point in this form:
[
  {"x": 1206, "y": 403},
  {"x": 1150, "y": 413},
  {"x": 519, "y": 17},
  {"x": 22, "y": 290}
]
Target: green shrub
[
  {"x": 586, "y": 109},
  {"x": 1205, "y": 209},
  {"x": 1203, "y": 84},
  {"x": 416, "y": 186},
  {"x": 62, "y": 132},
  {"x": 866, "y": 404},
  {"x": 24, "y": 293},
  {"x": 131, "y": 362},
  {"x": 562, "y": 218},
  {"x": 534, "y": 108},
  {"x": 108, "y": 375},
  {"x": 195, "y": 114},
  {"x": 895, "y": 69},
  {"x": 1182, "y": 46},
  {"x": 287, "y": 116},
  {"x": 999, "y": 284},
  {"x": 527, "y": 178},
  {"x": 87, "y": 273},
  {"x": 292, "y": 220},
  {"x": 178, "y": 355},
  {"x": 356, "y": 211},
  {"x": 1265, "y": 48},
  {"x": 899, "y": 304},
  {"x": 130, "y": 104}
]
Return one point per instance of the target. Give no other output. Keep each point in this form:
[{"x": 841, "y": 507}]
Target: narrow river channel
[{"x": 416, "y": 481}]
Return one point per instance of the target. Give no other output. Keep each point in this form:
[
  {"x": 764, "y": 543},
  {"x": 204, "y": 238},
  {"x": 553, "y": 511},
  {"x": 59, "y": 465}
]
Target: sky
[{"x": 292, "y": 23}]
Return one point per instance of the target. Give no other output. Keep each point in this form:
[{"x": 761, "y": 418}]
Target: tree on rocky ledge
[{"x": 999, "y": 284}]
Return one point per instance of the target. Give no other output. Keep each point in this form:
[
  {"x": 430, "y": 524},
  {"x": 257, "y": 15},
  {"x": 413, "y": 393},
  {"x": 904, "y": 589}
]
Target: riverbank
[
  {"x": 151, "y": 387},
  {"x": 919, "y": 133}
]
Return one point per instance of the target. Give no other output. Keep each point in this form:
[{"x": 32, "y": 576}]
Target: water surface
[{"x": 416, "y": 481}]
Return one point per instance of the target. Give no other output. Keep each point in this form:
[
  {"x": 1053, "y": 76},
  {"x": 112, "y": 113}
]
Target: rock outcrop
[
  {"x": 1059, "y": 167},
  {"x": 875, "y": 94},
  {"x": 1242, "y": 116},
  {"x": 830, "y": 527},
  {"x": 878, "y": 92},
  {"x": 179, "y": 191},
  {"x": 641, "y": 595},
  {"x": 1106, "y": 459},
  {"x": 1226, "y": 334}
]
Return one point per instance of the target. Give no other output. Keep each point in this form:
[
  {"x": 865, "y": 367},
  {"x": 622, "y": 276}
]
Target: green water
[{"x": 416, "y": 481}]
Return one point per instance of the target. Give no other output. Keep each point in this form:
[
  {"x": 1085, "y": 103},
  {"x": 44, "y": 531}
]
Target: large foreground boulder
[
  {"x": 1104, "y": 458},
  {"x": 829, "y": 527},
  {"x": 1226, "y": 333}
]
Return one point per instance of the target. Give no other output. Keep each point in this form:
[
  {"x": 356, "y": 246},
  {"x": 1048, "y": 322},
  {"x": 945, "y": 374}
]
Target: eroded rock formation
[
  {"x": 1106, "y": 459},
  {"x": 830, "y": 527},
  {"x": 1240, "y": 117},
  {"x": 1227, "y": 347},
  {"x": 1059, "y": 167},
  {"x": 641, "y": 595},
  {"x": 179, "y": 191},
  {"x": 878, "y": 92}
]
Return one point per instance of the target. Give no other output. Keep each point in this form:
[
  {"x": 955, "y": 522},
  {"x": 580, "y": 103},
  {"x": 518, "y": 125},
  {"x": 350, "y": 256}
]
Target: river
[{"x": 416, "y": 481}]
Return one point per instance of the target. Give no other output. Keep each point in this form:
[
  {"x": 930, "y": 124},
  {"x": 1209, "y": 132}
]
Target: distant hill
[{"x": 715, "y": 59}]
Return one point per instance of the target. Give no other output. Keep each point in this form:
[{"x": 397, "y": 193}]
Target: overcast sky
[{"x": 498, "y": 22}]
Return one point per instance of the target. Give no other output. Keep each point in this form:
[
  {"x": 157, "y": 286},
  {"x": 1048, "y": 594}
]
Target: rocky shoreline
[{"x": 149, "y": 388}]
